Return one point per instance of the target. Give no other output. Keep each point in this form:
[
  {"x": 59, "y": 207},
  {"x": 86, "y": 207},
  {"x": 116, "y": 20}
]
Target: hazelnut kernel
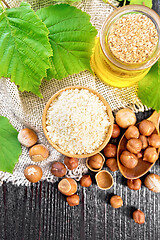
[
  {"x": 73, "y": 200},
  {"x": 144, "y": 141},
  {"x": 116, "y": 131},
  {"x": 116, "y": 201},
  {"x": 38, "y": 153},
  {"x": 125, "y": 117},
  {"x": 152, "y": 182},
  {"x": 71, "y": 163},
  {"x": 139, "y": 216},
  {"x": 111, "y": 163},
  {"x": 85, "y": 181},
  {"x": 134, "y": 184},
  {"x": 154, "y": 140},
  {"x": 58, "y": 169},
  {"x": 134, "y": 145},
  {"x": 96, "y": 161},
  {"x": 150, "y": 155},
  {"x": 67, "y": 186},
  {"x": 27, "y": 137},
  {"x": 146, "y": 127},
  {"x": 110, "y": 150},
  {"x": 129, "y": 160},
  {"x": 33, "y": 173},
  {"x": 132, "y": 132}
]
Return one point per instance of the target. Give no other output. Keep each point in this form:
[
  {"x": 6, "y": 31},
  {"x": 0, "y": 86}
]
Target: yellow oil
[{"x": 111, "y": 74}]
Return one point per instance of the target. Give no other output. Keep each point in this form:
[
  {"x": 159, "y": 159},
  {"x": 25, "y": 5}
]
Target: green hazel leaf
[
  {"x": 24, "y": 48},
  {"x": 147, "y": 3},
  {"x": 10, "y": 148},
  {"x": 72, "y": 38},
  {"x": 149, "y": 88}
]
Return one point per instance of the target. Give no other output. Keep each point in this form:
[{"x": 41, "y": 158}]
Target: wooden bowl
[{"x": 110, "y": 129}]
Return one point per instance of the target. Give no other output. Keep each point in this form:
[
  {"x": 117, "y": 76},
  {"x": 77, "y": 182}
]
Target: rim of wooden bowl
[{"x": 110, "y": 129}]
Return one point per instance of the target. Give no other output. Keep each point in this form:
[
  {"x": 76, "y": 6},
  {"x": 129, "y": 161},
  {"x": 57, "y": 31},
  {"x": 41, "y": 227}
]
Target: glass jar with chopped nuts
[{"x": 127, "y": 46}]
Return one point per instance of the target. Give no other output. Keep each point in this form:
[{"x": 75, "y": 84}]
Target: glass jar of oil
[{"x": 111, "y": 61}]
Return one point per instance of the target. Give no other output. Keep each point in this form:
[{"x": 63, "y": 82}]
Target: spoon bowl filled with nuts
[{"x": 139, "y": 147}]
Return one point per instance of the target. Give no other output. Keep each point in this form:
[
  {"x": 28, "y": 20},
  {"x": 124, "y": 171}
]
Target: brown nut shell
[
  {"x": 134, "y": 184},
  {"x": 150, "y": 155},
  {"x": 38, "y": 153},
  {"x": 111, "y": 163},
  {"x": 85, "y": 181},
  {"x": 125, "y": 117},
  {"x": 110, "y": 151},
  {"x": 104, "y": 180},
  {"x": 27, "y": 137},
  {"x": 146, "y": 127},
  {"x": 129, "y": 160},
  {"x": 144, "y": 141},
  {"x": 116, "y": 131},
  {"x": 73, "y": 200},
  {"x": 33, "y": 173},
  {"x": 139, "y": 216},
  {"x": 67, "y": 186},
  {"x": 116, "y": 201},
  {"x": 132, "y": 132},
  {"x": 154, "y": 140},
  {"x": 134, "y": 145},
  {"x": 71, "y": 162},
  {"x": 152, "y": 182},
  {"x": 95, "y": 162},
  {"x": 58, "y": 169}
]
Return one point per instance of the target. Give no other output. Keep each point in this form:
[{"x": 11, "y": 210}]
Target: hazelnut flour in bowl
[{"x": 77, "y": 121}]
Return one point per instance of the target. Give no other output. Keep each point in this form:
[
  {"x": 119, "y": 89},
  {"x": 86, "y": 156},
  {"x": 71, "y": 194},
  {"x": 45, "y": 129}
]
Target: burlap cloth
[{"x": 25, "y": 109}]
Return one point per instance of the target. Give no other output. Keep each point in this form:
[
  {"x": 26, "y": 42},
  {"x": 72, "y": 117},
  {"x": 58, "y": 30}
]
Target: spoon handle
[{"x": 155, "y": 119}]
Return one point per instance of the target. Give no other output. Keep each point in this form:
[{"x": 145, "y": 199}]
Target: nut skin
[
  {"x": 129, "y": 160},
  {"x": 150, "y": 155},
  {"x": 73, "y": 200},
  {"x": 96, "y": 161},
  {"x": 144, "y": 141},
  {"x": 139, "y": 216},
  {"x": 152, "y": 182},
  {"x": 85, "y": 181},
  {"x": 27, "y": 137},
  {"x": 134, "y": 184},
  {"x": 146, "y": 127},
  {"x": 132, "y": 132},
  {"x": 134, "y": 145},
  {"x": 38, "y": 153},
  {"x": 58, "y": 169},
  {"x": 116, "y": 201},
  {"x": 125, "y": 117},
  {"x": 111, "y": 163},
  {"x": 71, "y": 163},
  {"x": 116, "y": 131},
  {"x": 67, "y": 186},
  {"x": 110, "y": 150},
  {"x": 154, "y": 140},
  {"x": 33, "y": 173},
  {"x": 139, "y": 155}
]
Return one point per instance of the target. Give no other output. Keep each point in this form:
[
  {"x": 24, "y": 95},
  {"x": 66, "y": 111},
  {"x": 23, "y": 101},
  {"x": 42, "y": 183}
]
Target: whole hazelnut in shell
[
  {"x": 150, "y": 155},
  {"x": 85, "y": 181},
  {"x": 144, "y": 141},
  {"x": 111, "y": 163},
  {"x": 67, "y": 186},
  {"x": 116, "y": 201},
  {"x": 138, "y": 216},
  {"x": 33, "y": 173},
  {"x": 125, "y": 117},
  {"x": 96, "y": 161},
  {"x": 154, "y": 140},
  {"x": 71, "y": 163},
  {"x": 134, "y": 145},
  {"x": 73, "y": 200},
  {"x": 27, "y": 137},
  {"x": 132, "y": 132},
  {"x": 110, "y": 150},
  {"x": 146, "y": 127},
  {"x": 116, "y": 131},
  {"x": 58, "y": 169},
  {"x": 134, "y": 184},
  {"x": 38, "y": 153},
  {"x": 129, "y": 160},
  {"x": 152, "y": 182}
]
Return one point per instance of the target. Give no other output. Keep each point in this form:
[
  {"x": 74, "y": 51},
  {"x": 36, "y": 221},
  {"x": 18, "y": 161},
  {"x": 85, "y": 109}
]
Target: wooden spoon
[{"x": 142, "y": 167}]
